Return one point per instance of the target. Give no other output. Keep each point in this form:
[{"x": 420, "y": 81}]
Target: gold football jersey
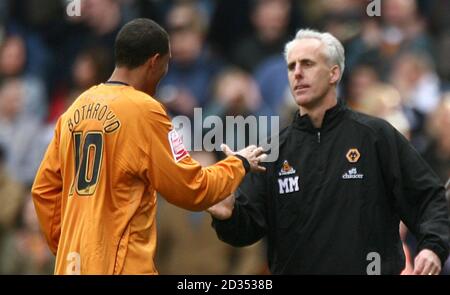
[{"x": 95, "y": 191}]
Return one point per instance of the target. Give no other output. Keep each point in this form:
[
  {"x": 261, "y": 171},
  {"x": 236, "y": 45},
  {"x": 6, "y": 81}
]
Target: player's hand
[
  {"x": 223, "y": 209},
  {"x": 427, "y": 263},
  {"x": 253, "y": 154}
]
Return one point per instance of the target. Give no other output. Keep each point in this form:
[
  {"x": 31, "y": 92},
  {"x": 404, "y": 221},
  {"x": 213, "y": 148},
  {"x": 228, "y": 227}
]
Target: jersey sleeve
[
  {"x": 180, "y": 179},
  {"x": 47, "y": 192}
]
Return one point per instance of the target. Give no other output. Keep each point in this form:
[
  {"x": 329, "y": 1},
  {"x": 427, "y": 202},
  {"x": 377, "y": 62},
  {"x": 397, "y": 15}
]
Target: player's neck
[{"x": 133, "y": 78}]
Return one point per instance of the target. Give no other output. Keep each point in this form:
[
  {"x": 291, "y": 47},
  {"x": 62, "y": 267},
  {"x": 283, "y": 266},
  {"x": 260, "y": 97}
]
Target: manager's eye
[{"x": 291, "y": 66}]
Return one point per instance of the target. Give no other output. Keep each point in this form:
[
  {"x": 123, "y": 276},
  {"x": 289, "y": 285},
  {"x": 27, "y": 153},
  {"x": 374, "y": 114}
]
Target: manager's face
[{"x": 310, "y": 74}]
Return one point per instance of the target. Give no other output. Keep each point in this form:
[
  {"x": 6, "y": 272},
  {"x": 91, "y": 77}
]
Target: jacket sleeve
[
  {"x": 180, "y": 179},
  {"x": 47, "y": 193},
  {"x": 248, "y": 222},
  {"x": 418, "y": 194}
]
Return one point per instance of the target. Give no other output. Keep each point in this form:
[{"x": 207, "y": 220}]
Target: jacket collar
[{"x": 332, "y": 117}]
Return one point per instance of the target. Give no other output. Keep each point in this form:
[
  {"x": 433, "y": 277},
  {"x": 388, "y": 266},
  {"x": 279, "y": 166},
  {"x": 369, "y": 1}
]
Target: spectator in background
[
  {"x": 402, "y": 29},
  {"x": 270, "y": 19},
  {"x": 365, "y": 46},
  {"x": 34, "y": 14},
  {"x": 360, "y": 80},
  {"x": 273, "y": 83},
  {"x": 13, "y": 64},
  {"x": 413, "y": 75},
  {"x": 342, "y": 17},
  {"x": 437, "y": 153},
  {"x": 235, "y": 93},
  {"x": 92, "y": 66},
  {"x": 384, "y": 101},
  {"x": 443, "y": 64},
  {"x": 192, "y": 69},
  {"x": 104, "y": 19},
  {"x": 228, "y": 25},
  {"x": 29, "y": 20},
  {"x": 12, "y": 56},
  {"x": 18, "y": 131},
  {"x": 439, "y": 24},
  {"x": 152, "y": 9},
  {"x": 97, "y": 26},
  {"x": 25, "y": 250},
  {"x": 11, "y": 200}
]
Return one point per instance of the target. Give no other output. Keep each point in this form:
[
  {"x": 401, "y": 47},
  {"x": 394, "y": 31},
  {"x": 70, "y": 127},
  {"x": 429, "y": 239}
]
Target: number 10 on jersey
[{"x": 88, "y": 161}]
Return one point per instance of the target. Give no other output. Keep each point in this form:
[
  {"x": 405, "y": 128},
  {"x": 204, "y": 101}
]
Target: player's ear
[
  {"x": 151, "y": 62},
  {"x": 335, "y": 73},
  {"x": 155, "y": 59}
]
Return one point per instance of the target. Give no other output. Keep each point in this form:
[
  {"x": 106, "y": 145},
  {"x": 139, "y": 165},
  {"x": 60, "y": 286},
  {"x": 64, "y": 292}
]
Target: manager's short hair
[
  {"x": 334, "y": 50},
  {"x": 138, "y": 40}
]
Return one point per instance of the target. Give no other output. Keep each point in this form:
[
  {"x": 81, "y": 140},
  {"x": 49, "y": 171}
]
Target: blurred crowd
[{"x": 227, "y": 59}]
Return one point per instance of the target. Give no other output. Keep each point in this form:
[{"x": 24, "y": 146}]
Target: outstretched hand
[{"x": 253, "y": 154}]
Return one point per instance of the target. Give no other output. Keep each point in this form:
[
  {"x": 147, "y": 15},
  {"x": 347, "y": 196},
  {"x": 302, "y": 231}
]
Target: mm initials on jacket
[{"x": 288, "y": 185}]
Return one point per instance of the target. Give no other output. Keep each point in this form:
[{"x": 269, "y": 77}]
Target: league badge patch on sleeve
[{"x": 177, "y": 146}]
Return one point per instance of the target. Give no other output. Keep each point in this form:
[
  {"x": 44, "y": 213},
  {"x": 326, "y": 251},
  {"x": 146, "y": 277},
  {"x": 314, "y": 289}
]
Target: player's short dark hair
[{"x": 138, "y": 40}]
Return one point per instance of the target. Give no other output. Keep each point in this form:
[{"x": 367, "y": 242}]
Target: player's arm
[
  {"x": 46, "y": 192},
  {"x": 182, "y": 180}
]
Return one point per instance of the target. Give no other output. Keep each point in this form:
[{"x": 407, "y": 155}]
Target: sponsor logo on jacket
[{"x": 352, "y": 174}]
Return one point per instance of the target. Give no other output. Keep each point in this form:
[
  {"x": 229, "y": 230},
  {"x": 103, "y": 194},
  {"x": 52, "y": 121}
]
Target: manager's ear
[{"x": 335, "y": 73}]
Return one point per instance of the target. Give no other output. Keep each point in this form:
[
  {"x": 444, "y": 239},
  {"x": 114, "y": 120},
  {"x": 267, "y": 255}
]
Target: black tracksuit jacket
[{"x": 335, "y": 195}]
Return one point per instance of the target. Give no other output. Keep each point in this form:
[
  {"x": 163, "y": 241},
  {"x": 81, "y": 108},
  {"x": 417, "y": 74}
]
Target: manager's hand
[
  {"x": 223, "y": 209},
  {"x": 427, "y": 263}
]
